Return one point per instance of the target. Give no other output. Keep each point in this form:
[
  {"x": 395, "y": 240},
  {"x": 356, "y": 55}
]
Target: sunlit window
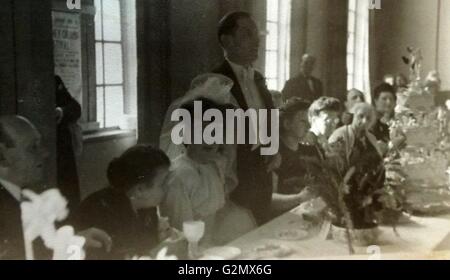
[
  {"x": 278, "y": 41},
  {"x": 358, "y": 46},
  {"x": 111, "y": 45}
]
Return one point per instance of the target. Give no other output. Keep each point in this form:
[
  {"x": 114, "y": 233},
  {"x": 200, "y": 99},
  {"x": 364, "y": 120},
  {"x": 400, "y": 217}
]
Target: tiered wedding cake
[{"x": 426, "y": 157}]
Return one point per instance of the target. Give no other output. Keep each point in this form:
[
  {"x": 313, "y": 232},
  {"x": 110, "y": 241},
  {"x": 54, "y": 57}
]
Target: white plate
[{"x": 225, "y": 253}]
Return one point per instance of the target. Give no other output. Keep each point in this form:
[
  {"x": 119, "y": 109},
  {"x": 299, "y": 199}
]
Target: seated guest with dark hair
[
  {"x": 127, "y": 210},
  {"x": 384, "y": 100},
  {"x": 294, "y": 125},
  {"x": 22, "y": 165},
  {"x": 290, "y": 189},
  {"x": 353, "y": 96},
  {"x": 323, "y": 116}
]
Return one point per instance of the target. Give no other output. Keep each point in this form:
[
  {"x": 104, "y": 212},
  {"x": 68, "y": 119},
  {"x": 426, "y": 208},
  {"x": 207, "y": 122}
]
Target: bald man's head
[
  {"x": 353, "y": 96},
  {"x": 22, "y": 156},
  {"x": 363, "y": 116},
  {"x": 307, "y": 64}
]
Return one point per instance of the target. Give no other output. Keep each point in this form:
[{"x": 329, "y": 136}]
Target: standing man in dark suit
[
  {"x": 239, "y": 38},
  {"x": 22, "y": 158},
  {"x": 304, "y": 85}
]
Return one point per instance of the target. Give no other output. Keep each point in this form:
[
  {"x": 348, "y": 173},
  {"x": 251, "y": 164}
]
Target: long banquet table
[{"x": 419, "y": 238}]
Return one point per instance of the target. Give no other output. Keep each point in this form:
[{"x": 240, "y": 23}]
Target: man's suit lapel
[{"x": 226, "y": 70}]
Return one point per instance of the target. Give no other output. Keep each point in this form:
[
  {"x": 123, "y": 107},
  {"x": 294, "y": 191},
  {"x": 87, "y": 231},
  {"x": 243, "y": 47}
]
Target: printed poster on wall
[{"x": 67, "y": 51}]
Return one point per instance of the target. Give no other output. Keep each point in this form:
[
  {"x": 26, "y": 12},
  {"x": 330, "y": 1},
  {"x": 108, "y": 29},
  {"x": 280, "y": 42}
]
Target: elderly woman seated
[
  {"x": 353, "y": 96},
  {"x": 362, "y": 153}
]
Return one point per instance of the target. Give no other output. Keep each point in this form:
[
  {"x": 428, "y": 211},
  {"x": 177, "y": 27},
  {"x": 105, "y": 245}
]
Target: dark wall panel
[
  {"x": 34, "y": 71},
  {"x": 7, "y": 63}
]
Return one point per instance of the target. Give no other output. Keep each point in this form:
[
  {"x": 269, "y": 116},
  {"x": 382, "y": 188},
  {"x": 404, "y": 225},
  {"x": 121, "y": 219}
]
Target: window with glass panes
[
  {"x": 109, "y": 63},
  {"x": 358, "y": 46},
  {"x": 277, "y": 52},
  {"x": 351, "y": 42}
]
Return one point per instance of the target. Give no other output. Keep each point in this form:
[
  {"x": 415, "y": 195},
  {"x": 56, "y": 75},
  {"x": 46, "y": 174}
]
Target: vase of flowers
[
  {"x": 393, "y": 195},
  {"x": 350, "y": 188}
]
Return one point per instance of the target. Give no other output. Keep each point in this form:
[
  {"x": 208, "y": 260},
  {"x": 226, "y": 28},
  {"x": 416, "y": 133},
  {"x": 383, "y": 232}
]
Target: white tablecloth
[{"x": 421, "y": 238}]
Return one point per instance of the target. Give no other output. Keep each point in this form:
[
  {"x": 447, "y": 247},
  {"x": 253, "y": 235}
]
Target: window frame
[
  {"x": 358, "y": 75},
  {"x": 351, "y": 48},
  {"x": 105, "y": 85},
  {"x": 283, "y": 41}
]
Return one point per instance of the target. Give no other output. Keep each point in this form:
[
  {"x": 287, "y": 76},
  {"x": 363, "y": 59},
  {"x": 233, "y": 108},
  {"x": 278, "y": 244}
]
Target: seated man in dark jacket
[
  {"x": 304, "y": 85},
  {"x": 127, "y": 210},
  {"x": 22, "y": 165}
]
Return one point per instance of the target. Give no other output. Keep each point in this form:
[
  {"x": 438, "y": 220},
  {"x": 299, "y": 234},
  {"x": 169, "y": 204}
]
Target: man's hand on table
[{"x": 96, "y": 238}]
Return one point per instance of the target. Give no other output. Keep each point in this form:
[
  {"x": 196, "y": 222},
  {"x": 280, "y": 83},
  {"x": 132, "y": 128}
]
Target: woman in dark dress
[
  {"x": 68, "y": 111},
  {"x": 324, "y": 116},
  {"x": 294, "y": 125},
  {"x": 290, "y": 188},
  {"x": 127, "y": 210},
  {"x": 385, "y": 99}
]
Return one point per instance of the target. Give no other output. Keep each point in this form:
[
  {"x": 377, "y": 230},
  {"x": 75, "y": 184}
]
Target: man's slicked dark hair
[{"x": 229, "y": 23}]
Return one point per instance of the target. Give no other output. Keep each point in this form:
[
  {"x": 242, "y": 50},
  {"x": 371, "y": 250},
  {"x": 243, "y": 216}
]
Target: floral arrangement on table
[
  {"x": 393, "y": 195},
  {"x": 351, "y": 194}
]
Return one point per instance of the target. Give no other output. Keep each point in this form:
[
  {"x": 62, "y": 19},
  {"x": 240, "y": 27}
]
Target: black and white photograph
[{"x": 224, "y": 130}]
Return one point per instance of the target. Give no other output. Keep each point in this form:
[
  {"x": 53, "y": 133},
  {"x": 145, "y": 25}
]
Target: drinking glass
[{"x": 193, "y": 231}]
